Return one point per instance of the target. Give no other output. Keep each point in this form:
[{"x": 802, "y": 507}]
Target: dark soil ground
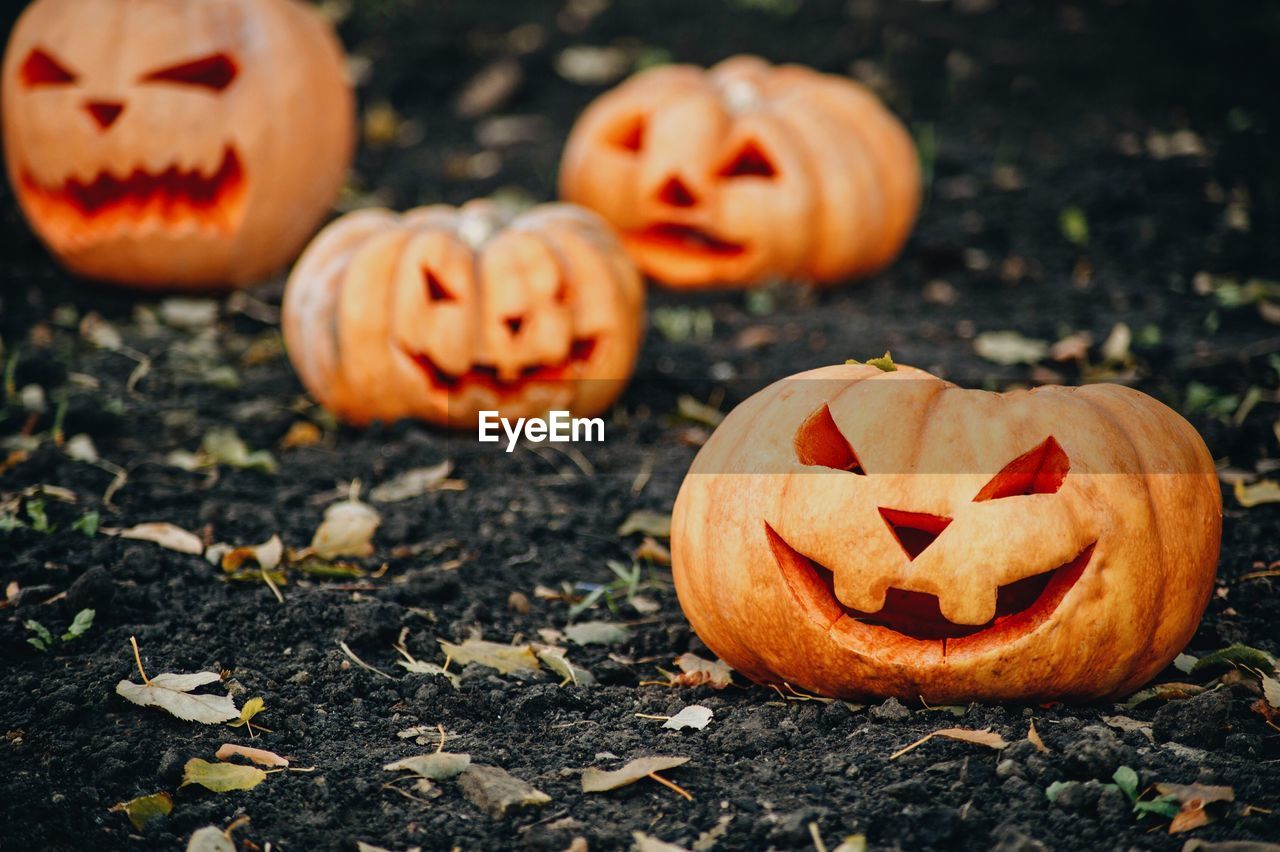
[{"x": 1152, "y": 123}]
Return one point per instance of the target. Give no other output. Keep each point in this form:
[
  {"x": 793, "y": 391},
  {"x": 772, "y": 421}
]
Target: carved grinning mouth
[
  {"x": 485, "y": 375},
  {"x": 1021, "y": 606},
  {"x": 685, "y": 239},
  {"x": 174, "y": 196}
]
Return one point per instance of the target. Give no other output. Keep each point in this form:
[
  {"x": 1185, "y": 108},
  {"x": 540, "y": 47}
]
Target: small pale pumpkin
[
  {"x": 443, "y": 312},
  {"x": 861, "y": 533},
  {"x": 745, "y": 171},
  {"x": 192, "y": 144}
]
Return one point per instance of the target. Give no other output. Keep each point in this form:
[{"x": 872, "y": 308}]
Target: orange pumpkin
[
  {"x": 442, "y": 312},
  {"x": 863, "y": 533},
  {"x": 745, "y": 171},
  {"x": 175, "y": 144}
]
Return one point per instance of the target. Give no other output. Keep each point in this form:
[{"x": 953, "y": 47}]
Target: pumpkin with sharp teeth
[
  {"x": 862, "y": 533},
  {"x": 746, "y": 171},
  {"x": 444, "y": 312},
  {"x": 192, "y": 145}
]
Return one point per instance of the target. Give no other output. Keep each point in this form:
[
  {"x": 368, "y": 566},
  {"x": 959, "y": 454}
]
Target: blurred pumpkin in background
[
  {"x": 861, "y": 533},
  {"x": 746, "y": 171},
  {"x": 192, "y": 145},
  {"x": 442, "y": 312}
]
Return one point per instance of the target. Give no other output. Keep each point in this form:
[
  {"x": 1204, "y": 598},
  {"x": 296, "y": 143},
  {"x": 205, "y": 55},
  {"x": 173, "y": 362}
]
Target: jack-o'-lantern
[
  {"x": 444, "y": 312},
  {"x": 746, "y": 171},
  {"x": 861, "y": 533},
  {"x": 175, "y": 143}
]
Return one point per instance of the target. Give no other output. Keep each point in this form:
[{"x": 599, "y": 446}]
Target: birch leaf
[
  {"x": 142, "y": 810},
  {"x": 555, "y": 659},
  {"x": 598, "y": 780},
  {"x": 168, "y": 536},
  {"x": 695, "y": 671},
  {"x": 170, "y": 692},
  {"x": 423, "y": 668},
  {"x": 694, "y": 716},
  {"x": 347, "y": 530},
  {"x": 415, "y": 483},
  {"x": 438, "y": 766},
  {"x": 505, "y": 658},
  {"x": 221, "y": 777},
  {"x": 597, "y": 633},
  {"x": 260, "y": 756}
]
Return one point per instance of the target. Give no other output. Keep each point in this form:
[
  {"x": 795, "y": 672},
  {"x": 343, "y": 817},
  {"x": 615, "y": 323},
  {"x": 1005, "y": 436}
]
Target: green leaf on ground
[{"x": 221, "y": 777}]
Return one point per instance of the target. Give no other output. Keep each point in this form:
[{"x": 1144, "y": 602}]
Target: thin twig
[
  {"x": 672, "y": 785},
  {"x": 817, "y": 837},
  {"x": 137, "y": 656},
  {"x": 351, "y": 655},
  {"x": 275, "y": 590}
]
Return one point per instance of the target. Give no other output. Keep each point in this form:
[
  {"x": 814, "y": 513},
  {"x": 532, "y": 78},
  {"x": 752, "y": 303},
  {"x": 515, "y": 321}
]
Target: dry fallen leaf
[
  {"x": 656, "y": 524},
  {"x": 221, "y": 777},
  {"x": 554, "y": 658},
  {"x": 347, "y": 530},
  {"x": 438, "y": 766},
  {"x": 260, "y": 756},
  {"x": 648, "y": 843},
  {"x": 599, "y": 781},
  {"x": 1009, "y": 347},
  {"x": 694, "y": 716},
  {"x": 144, "y": 809},
  {"x": 985, "y": 737},
  {"x": 210, "y": 839},
  {"x": 423, "y": 668},
  {"x": 695, "y": 671},
  {"x": 1033, "y": 736},
  {"x": 416, "y": 482},
  {"x": 652, "y": 550},
  {"x": 170, "y": 691},
  {"x": 166, "y": 535},
  {"x": 1257, "y": 493},
  {"x": 505, "y": 658},
  {"x": 597, "y": 633},
  {"x": 1193, "y": 798},
  {"x": 267, "y": 555}
]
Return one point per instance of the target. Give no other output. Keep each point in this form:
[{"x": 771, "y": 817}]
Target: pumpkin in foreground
[
  {"x": 443, "y": 312},
  {"x": 187, "y": 145},
  {"x": 746, "y": 171},
  {"x": 860, "y": 533}
]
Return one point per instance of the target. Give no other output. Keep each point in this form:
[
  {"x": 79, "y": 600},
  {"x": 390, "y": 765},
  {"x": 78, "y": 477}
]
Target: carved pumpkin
[
  {"x": 190, "y": 144},
  {"x": 731, "y": 175},
  {"x": 442, "y": 312},
  {"x": 862, "y": 533}
]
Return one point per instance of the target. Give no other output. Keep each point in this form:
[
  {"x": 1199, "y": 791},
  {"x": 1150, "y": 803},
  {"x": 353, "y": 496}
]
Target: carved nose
[
  {"x": 675, "y": 194},
  {"x": 915, "y": 531},
  {"x": 104, "y": 113},
  {"x": 514, "y": 324}
]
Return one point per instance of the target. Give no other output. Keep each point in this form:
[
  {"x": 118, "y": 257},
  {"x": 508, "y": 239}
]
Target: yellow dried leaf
[
  {"x": 221, "y": 777},
  {"x": 505, "y": 658}
]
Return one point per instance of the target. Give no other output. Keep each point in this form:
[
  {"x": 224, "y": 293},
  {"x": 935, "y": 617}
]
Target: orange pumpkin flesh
[
  {"x": 746, "y": 171},
  {"x": 860, "y": 533},
  {"x": 442, "y": 312},
  {"x": 182, "y": 145}
]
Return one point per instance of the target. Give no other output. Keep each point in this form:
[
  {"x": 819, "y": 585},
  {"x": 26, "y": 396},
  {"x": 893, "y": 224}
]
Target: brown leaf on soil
[
  {"x": 505, "y": 658},
  {"x": 653, "y": 550},
  {"x": 985, "y": 737},
  {"x": 695, "y": 671},
  {"x": 600, "y": 781},
  {"x": 303, "y": 433},
  {"x": 260, "y": 756},
  {"x": 1193, "y": 798},
  {"x": 1033, "y": 736}
]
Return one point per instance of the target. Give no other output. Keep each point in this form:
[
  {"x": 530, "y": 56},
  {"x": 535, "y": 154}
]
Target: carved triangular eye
[
  {"x": 214, "y": 72},
  {"x": 750, "y": 161},
  {"x": 630, "y": 136},
  {"x": 1037, "y": 471},
  {"x": 436, "y": 291},
  {"x": 820, "y": 442},
  {"x": 41, "y": 69}
]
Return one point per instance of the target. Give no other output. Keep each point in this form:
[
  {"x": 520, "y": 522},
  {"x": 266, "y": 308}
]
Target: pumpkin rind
[
  {"x": 829, "y": 184},
  {"x": 195, "y": 145},
  {"x": 443, "y": 312},
  {"x": 1138, "y": 515}
]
